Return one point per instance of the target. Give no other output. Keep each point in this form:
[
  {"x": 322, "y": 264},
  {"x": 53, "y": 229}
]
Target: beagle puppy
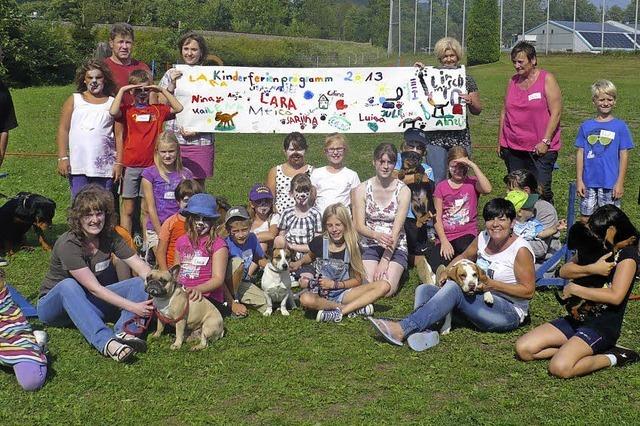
[{"x": 470, "y": 278}]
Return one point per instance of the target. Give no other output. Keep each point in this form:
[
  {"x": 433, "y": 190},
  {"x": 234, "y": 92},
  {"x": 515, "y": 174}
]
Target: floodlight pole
[
  {"x": 415, "y": 27},
  {"x": 635, "y": 29},
  {"x": 546, "y": 48},
  {"x": 431, "y": 18},
  {"x": 390, "y": 38},
  {"x": 446, "y": 18},
  {"x": 501, "y": 17},
  {"x": 573, "y": 39},
  {"x": 464, "y": 19},
  {"x": 602, "y": 28},
  {"x": 524, "y": 8}
]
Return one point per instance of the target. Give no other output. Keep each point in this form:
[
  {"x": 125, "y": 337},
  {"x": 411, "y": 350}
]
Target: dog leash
[{"x": 138, "y": 325}]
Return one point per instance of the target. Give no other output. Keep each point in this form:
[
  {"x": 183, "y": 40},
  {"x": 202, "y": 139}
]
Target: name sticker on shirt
[
  {"x": 170, "y": 195},
  {"x": 101, "y": 266},
  {"x": 200, "y": 260},
  {"x": 296, "y": 232},
  {"x": 143, "y": 118},
  {"x": 608, "y": 134},
  {"x": 534, "y": 96}
]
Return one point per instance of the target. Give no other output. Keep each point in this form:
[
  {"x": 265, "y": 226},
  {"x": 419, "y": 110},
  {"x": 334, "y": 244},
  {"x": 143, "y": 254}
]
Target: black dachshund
[{"x": 22, "y": 212}]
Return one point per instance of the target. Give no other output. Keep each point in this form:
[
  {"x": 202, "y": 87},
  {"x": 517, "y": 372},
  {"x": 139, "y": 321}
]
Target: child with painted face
[
  {"x": 159, "y": 183},
  {"x": 264, "y": 221},
  {"x": 86, "y": 145},
  {"x": 279, "y": 177},
  {"x": 339, "y": 290},
  {"x": 202, "y": 254},
  {"x": 334, "y": 182}
]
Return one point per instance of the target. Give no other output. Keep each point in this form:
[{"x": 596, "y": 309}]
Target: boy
[
  {"x": 244, "y": 251},
  {"x": 142, "y": 124},
  {"x": 173, "y": 227},
  {"x": 602, "y": 156}
]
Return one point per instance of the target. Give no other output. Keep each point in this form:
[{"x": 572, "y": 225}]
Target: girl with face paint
[
  {"x": 264, "y": 221},
  {"x": 86, "y": 146}
]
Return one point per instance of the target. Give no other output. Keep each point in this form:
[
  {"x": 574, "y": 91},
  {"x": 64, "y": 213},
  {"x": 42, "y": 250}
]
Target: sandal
[
  {"x": 121, "y": 354},
  {"x": 136, "y": 343},
  {"x": 383, "y": 331}
]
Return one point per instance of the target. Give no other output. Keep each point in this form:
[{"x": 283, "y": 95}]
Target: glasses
[{"x": 335, "y": 150}]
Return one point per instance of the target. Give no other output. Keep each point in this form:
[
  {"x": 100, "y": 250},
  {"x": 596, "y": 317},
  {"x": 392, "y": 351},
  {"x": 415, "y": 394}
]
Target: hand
[
  {"x": 187, "y": 133},
  {"x": 117, "y": 172},
  {"x": 380, "y": 272},
  {"x": 131, "y": 87},
  {"x": 466, "y": 161},
  {"x": 562, "y": 225},
  {"x": 238, "y": 309},
  {"x": 174, "y": 74},
  {"x": 499, "y": 151},
  {"x": 64, "y": 168},
  {"x": 446, "y": 250},
  {"x": 326, "y": 284},
  {"x": 294, "y": 266},
  {"x": 154, "y": 88},
  {"x": 385, "y": 240},
  {"x": 194, "y": 295},
  {"x": 602, "y": 267},
  {"x": 142, "y": 309},
  {"x": 442, "y": 278},
  {"x": 418, "y": 64},
  {"x": 541, "y": 149},
  {"x": 580, "y": 188},
  {"x": 567, "y": 291},
  {"x": 467, "y": 99},
  {"x": 618, "y": 190}
]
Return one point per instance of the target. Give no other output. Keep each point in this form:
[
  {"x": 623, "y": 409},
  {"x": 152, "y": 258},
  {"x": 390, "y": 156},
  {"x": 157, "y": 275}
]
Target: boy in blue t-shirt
[
  {"x": 602, "y": 156},
  {"x": 244, "y": 254}
]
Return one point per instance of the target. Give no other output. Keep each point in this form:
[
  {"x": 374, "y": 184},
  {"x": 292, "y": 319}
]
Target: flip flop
[
  {"x": 423, "y": 340},
  {"x": 136, "y": 343},
  {"x": 383, "y": 330}
]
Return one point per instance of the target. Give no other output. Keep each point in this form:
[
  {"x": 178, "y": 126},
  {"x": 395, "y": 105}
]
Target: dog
[
  {"x": 422, "y": 202},
  {"x": 173, "y": 306},
  {"x": 411, "y": 166},
  {"x": 276, "y": 282},
  {"x": 22, "y": 212}
]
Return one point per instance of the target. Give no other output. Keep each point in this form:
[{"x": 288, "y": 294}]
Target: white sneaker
[{"x": 365, "y": 311}]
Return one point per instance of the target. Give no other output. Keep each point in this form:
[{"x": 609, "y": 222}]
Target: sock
[{"x": 612, "y": 359}]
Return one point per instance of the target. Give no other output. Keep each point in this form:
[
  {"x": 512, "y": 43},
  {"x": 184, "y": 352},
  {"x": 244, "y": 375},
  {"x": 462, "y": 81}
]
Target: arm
[
  {"x": 152, "y": 212},
  {"x": 271, "y": 184},
  {"x": 4, "y": 141},
  {"x": 438, "y": 226},
  {"x": 162, "y": 248},
  {"x": 401, "y": 215},
  {"x": 139, "y": 266},
  {"x": 580, "y": 188},
  {"x": 525, "y": 286},
  {"x": 473, "y": 102},
  {"x": 218, "y": 269},
  {"x": 174, "y": 103},
  {"x": 614, "y": 295},
  {"x": 306, "y": 259},
  {"x": 114, "y": 110},
  {"x": 268, "y": 236},
  {"x": 554, "y": 101},
  {"x": 118, "y": 133},
  {"x": 571, "y": 270},
  {"x": 548, "y": 232},
  {"x": 618, "y": 189},
  {"x": 62, "y": 140},
  {"x": 483, "y": 186}
]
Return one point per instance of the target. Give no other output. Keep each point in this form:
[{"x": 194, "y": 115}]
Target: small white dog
[{"x": 276, "y": 282}]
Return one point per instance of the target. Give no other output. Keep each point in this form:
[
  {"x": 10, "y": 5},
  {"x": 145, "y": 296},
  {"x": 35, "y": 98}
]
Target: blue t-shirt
[
  {"x": 249, "y": 252},
  {"x": 602, "y": 143},
  {"x": 427, "y": 171}
]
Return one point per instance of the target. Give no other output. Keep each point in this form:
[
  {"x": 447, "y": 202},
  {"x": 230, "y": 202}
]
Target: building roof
[
  {"x": 590, "y": 26},
  {"x": 616, "y": 35}
]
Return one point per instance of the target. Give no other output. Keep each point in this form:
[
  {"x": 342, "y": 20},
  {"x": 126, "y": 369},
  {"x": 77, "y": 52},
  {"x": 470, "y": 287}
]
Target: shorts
[
  {"x": 152, "y": 238},
  {"x": 598, "y": 342},
  {"x": 338, "y": 296},
  {"x": 596, "y": 197},
  {"x": 131, "y": 187},
  {"x": 375, "y": 253},
  {"x": 198, "y": 159}
]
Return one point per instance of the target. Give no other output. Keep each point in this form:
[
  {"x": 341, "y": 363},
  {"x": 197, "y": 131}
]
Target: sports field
[{"x": 294, "y": 370}]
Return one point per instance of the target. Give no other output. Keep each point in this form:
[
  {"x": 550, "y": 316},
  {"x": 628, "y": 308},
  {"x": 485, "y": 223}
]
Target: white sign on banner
[{"x": 320, "y": 100}]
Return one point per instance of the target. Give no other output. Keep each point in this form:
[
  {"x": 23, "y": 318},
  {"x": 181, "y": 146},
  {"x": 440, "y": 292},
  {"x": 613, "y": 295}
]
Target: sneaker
[
  {"x": 333, "y": 315},
  {"x": 294, "y": 281},
  {"x": 138, "y": 241},
  {"x": 623, "y": 355},
  {"x": 3, "y": 262},
  {"x": 365, "y": 311}
]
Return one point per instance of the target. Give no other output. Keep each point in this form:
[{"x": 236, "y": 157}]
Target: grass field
[{"x": 294, "y": 370}]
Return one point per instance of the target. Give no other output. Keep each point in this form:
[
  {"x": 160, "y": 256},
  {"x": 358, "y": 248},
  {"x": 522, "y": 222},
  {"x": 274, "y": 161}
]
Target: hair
[
  {"x": 455, "y": 152},
  {"x": 121, "y": 29},
  {"x": 385, "y": 148},
  {"x": 92, "y": 197},
  {"x": 448, "y": 43},
  {"x": 187, "y": 188},
  {"x": 140, "y": 77},
  {"x": 528, "y": 49},
  {"x": 202, "y": 44},
  {"x": 498, "y": 207},
  {"x": 246, "y": 222},
  {"x": 94, "y": 64},
  {"x": 610, "y": 215},
  {"x": 519, "y": 179},
  {"x": 296, "y": 140},
  {"x": 335, "y": 138},
  {"x": 168, "y": 138},
  {"x": 303, "y": 180},
  {"x": 603, "y": 87},
  {"x": 350, "y": 235},
  {"x": 192, "y": 233}
]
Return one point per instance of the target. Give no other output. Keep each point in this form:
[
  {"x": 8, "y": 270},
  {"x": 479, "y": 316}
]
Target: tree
[
  {"x": 260, "y": 17},
  {"x": 615, "y": 13},
  {"x": 483, "y": 36}
]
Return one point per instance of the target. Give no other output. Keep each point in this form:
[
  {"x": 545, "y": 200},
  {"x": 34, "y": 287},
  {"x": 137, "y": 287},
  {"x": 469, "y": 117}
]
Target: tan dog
[{"x": 173, "y": 306}]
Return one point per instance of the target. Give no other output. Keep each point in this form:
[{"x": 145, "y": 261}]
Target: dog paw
[
  {"x": 267, "y": 313},
  {"x": 176, "y": 346},
  {"x": 198, "y": 347},
  {"x": 488, "y": 298},
  {"x": 284, "y": 312},
  {"x": 154, "y": 335}
]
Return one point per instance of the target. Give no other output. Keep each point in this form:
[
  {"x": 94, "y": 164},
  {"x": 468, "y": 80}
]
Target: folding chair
[{"x": 550, "y": 264}]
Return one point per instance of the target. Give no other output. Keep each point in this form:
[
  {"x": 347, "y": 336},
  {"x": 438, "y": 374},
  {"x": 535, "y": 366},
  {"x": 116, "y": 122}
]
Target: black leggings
[{"x": 460, "y": 244}]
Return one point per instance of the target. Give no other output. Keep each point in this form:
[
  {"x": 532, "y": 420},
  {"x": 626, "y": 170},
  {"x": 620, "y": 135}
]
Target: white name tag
[
  {"x": 170, "y": 195},
  {"x": 200, "y": 260},
  {"x": 607, "y": 134},
  {"x": 382, "y": 229},
  {"x": 296, "y": 232},
  {"x": 458, "y": 202},
  {"x": 142, "y": 118},
  {"x": 534, "y": 96},
  {"x": 101, "y": 266}
]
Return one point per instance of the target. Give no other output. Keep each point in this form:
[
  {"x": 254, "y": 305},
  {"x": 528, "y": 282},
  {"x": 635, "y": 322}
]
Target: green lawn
[{"x": 294, "y": 370}]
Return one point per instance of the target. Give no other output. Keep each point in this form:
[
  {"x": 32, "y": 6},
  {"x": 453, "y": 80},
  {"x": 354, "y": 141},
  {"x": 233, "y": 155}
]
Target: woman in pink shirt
[{"x": 530, "y": 119}]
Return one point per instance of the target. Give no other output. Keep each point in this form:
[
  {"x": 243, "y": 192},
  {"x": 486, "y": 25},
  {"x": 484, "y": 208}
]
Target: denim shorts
[
  {"x": 596, "y": 197},
  {"x": 598, "y": 342},
  {"x": 375, "y": 253},
  {"x": 337, "y": 296}
]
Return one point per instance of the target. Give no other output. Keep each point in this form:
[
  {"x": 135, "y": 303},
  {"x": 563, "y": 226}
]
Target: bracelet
[
  {"x": 62, "y": 158},
  {"x": 335, "y": 284}
]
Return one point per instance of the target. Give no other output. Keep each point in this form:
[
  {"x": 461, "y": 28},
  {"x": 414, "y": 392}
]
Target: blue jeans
[
  {"x": 69, "y": 302},
  {"x": 432, "y": 304}
]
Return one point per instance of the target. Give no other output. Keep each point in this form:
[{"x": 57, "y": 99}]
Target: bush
[{"x": 483, "y": 35}]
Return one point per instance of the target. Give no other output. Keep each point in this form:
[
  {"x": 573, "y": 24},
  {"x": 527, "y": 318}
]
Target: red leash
[{"x": 141, "y": 324}]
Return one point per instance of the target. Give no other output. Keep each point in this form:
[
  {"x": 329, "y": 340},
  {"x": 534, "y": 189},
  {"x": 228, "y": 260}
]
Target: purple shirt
[
  {"x": 459, "y": 208},
  {"x": 163, "y": 191}
]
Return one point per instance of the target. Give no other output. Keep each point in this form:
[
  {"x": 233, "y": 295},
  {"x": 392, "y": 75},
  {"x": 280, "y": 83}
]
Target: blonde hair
[
  {"x": 448, "y": 43},
  {"x": 603, "y": 87},
  {"x": 167, "y": 138},
  {"x": 335, "y": 138},
  {"x": 350, "y": 236}
]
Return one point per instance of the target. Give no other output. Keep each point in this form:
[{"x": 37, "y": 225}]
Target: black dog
[
  {"x": 19, "y": 214},
  {"x": 422, "y": 202}
]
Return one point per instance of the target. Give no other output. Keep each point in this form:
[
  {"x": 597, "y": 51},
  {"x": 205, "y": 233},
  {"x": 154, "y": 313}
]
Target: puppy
[
  {"x": 276, "y": 282},
  {"x": 411, "y": 166},
  {"x": 173, "y": 305},
  {"x": 422, "y": 202},
  {"x": 21, "y": 213}
]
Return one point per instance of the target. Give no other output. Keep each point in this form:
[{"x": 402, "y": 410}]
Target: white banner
[{"x": 320, "y": 100}]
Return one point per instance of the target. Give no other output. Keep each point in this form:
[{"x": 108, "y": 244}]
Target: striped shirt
[{"x": 17, "y": 342}]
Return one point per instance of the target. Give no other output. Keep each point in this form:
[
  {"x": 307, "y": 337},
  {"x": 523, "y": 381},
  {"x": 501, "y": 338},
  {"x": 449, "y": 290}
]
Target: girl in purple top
[
  {"x": 159, "y": 183},
  {"x": 530, "y": 119},
  {"x": 456, "y": 202}
]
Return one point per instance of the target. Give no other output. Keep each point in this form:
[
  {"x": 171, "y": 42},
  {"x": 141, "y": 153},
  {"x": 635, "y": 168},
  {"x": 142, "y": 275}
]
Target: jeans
[
  {"x": 437, "y": 159},
  {"x": 433, "y": 304},
  {"x": 540, "y": 166},
  {"x": 69, "y": 302}
]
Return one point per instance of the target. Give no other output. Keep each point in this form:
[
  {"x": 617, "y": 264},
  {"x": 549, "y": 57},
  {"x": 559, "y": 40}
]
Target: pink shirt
[
  {"x": 526, "y": 115},
  {"x": 196, "y": 264},
  {"x": 459, "y": 208}
]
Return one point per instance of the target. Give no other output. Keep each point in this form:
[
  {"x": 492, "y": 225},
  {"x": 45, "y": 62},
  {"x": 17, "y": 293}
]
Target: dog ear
[
  {"x": 482, "y": 276},
  {"x": 175, "y": 271},
  {"x": 452, "y": 273}
]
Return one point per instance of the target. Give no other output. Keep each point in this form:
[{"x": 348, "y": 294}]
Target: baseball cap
[
  {"x": 260, "y": 191},
  {"x": 201, "y": 205},
  {"x": 531, "y": 201},
  {"x": 236, "y": 212},
  {"x": 517, "y": 198},
  {"x": 415, "y": 135}
]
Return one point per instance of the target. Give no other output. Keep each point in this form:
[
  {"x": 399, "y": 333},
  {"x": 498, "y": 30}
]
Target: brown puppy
[
  {"x": 173, "y": 306},
  {"x": 469, "y": 277}
]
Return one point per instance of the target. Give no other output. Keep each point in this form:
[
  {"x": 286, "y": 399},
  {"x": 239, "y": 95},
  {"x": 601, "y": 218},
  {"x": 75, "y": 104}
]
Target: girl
[
  {"x": 300, "y": 223},
  {"x": 86, "y": 146},
  {"x": 338, "y": 262},
  {"x": 334, "y": 182},
  {"x": 279, "y": 177},
  {"x": 456, "y": 202},
  {"x": 264, "y": 221},
  {"x": 159, "y": 183},
  {"x": 380, "y": 207},
  {"x": 202, "y": 255}
]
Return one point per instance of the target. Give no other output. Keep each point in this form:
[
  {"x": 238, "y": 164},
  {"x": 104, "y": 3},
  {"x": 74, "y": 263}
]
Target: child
[
  {"x": 602, "y": 156},
  {"x": 143, "y": 123},
  {"x": 173, "y": 227},
  {"x": 86, "y": 147},
  {"x": 526, "y": 224},
  {"x": 244, "y": 251},
  {"x": 264, "y": 221},
  {"x": 300, "y": 223},
  {"x": 159, "y": 183},
  {"x": 456, "y": 200},
  {"x": 340, "y": 290},
  {"x": 334, "y": 182}
]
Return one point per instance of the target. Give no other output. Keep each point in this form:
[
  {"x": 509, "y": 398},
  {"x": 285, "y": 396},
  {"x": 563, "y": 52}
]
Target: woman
[
  {"x": 508, "y": 262},
  {"x": 380, "y": 207},
  {"x": 80, "y": 286},
  {"x": 529, "y": 135},
  {"x": 579, "y": 347},
  {"x": 449, "y": 53},
  {"x": 197, "y": 149}
]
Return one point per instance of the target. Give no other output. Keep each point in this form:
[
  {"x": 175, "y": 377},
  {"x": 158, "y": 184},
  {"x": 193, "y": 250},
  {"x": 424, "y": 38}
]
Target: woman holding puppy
[{"x": 507, "y": 261}]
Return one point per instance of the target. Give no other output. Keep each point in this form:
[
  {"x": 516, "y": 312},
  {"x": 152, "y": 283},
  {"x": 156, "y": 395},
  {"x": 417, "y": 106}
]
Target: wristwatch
[{"x": 546, "y": 141}]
